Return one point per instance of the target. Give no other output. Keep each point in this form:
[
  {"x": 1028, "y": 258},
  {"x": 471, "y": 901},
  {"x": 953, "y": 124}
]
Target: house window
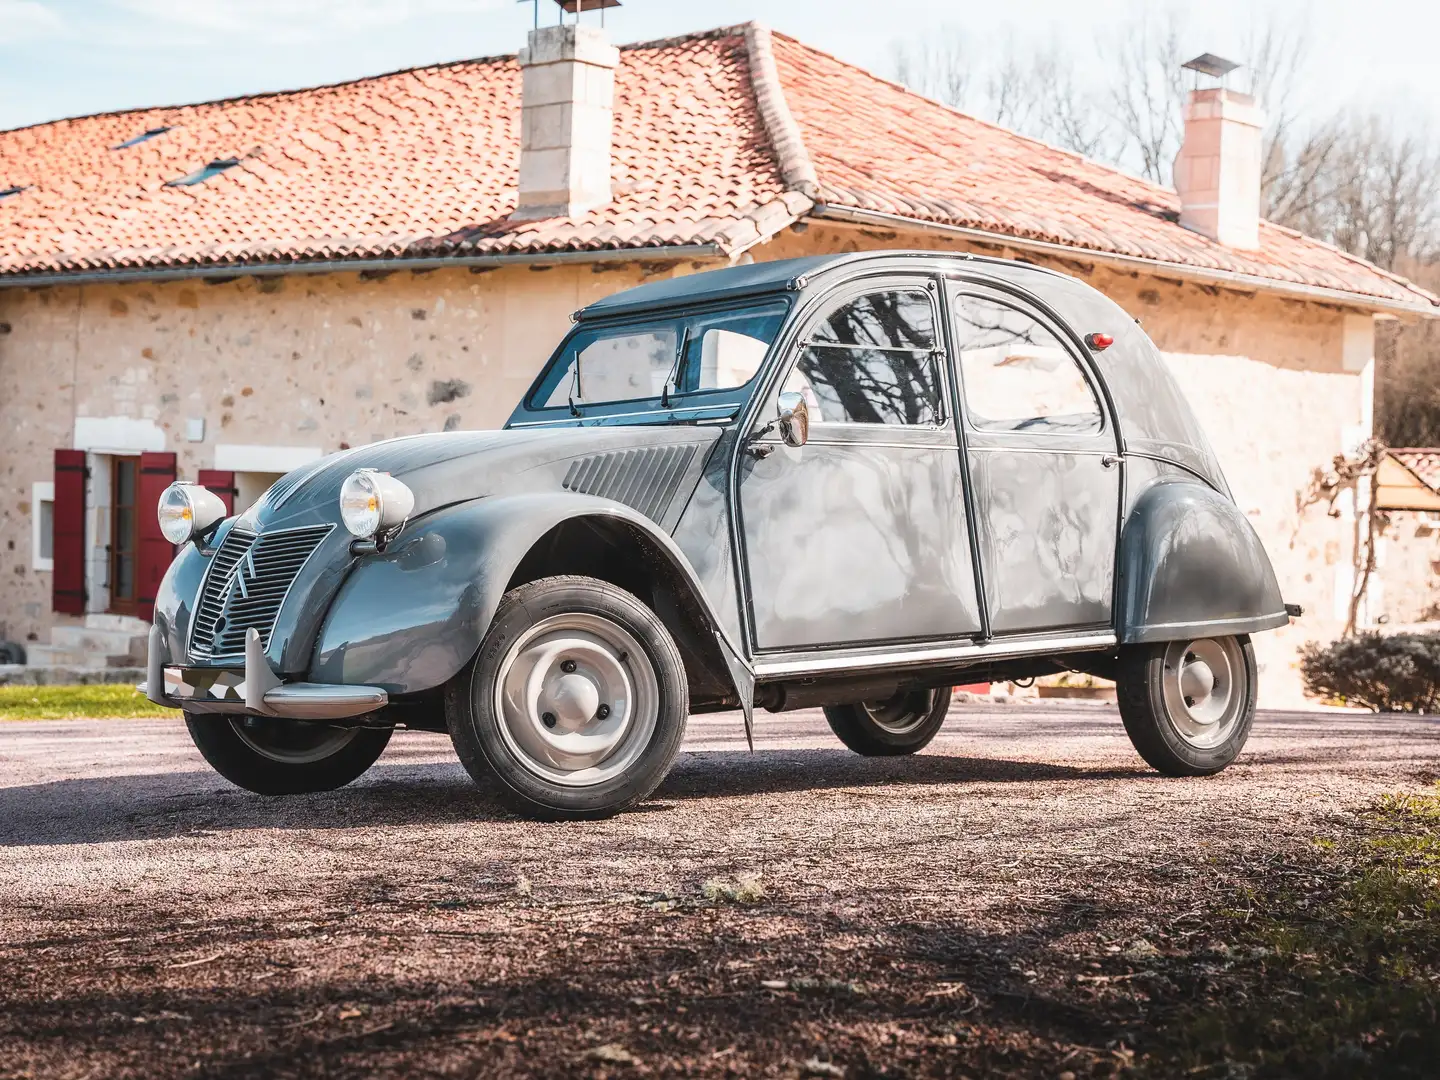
[{"x": 42, "y": 529}]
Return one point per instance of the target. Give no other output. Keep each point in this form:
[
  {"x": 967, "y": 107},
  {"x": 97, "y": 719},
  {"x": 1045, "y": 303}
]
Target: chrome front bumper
[{"x": 256, "y": 690}]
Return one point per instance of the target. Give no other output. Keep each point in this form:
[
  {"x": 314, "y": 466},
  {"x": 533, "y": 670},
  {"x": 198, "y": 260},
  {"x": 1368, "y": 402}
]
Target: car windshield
[{"x": 660, "y": 358}]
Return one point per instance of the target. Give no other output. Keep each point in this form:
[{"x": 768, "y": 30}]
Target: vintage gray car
[{"x": 850, "y": 481}]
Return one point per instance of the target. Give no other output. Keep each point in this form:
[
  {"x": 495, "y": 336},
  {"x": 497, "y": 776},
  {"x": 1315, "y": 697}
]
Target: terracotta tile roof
[
  {"x": 1423, "y": 462},
  {"x": 877, "y": 146},
  {"x": 721, "y": 138}
]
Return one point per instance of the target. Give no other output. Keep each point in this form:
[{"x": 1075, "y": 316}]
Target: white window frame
[{"x": 41, "y": 491}]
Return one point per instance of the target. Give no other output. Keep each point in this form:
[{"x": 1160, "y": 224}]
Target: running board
[{"x": 967, "y": 652}]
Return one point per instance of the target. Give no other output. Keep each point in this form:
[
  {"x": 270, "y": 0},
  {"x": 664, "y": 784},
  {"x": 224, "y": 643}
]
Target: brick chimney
[
  {"x": 1217, "y": 171},
  {"x": 565, "y": 120}
]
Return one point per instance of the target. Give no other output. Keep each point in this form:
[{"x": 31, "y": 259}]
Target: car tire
[
  {"x": 271, "y": 756},
  {"x": 903, "y": 724},
  {"x": 576, "y": 703},
  {"x": 1188, "y": 706}
]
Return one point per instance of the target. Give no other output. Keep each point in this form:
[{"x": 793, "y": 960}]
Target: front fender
[
  {"x": 1192, "y": 566},
  {"x": 410, "y": 618}
]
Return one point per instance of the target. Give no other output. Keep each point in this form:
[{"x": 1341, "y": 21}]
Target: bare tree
[
  {"x": 1366, "y": 188},
  {"x": 934, "y": 65},
  {"x": 1147, "y": 92},
  {"x": 1073, "y": 117},
  {"x": 1012, "y": 95},
  {"x": 1032, "y": 91}
]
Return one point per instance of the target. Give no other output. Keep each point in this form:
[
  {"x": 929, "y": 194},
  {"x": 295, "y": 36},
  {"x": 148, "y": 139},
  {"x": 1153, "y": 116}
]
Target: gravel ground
[{"x": 982, "y": 908}]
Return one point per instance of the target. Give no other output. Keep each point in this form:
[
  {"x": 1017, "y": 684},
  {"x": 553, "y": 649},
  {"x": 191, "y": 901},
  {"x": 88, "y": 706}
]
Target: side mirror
[{"x": 794, "y": 418}]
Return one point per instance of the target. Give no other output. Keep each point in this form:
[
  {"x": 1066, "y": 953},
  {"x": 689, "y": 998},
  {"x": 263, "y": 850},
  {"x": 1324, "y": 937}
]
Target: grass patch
[
  {"x": 745, "y": 889},
  {"x": 76, "y": 702},
  {"x": 1342, "y": 980}
]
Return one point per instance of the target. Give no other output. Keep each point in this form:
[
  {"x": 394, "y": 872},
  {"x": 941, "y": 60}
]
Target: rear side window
[
  {"x": 872, "y": 361},
  {"x": 1017, "y": 376}
]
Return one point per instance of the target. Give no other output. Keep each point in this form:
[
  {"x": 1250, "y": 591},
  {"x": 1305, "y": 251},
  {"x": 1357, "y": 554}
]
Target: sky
[{"x": 70, "y": 57}]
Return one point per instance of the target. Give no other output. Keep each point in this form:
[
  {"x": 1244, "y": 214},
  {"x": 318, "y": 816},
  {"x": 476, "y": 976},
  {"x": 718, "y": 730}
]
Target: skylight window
[
  {"x": 138, "y": 139},
  {"x": 13, "y": 190},
  {"x": 199, "y": 176}
]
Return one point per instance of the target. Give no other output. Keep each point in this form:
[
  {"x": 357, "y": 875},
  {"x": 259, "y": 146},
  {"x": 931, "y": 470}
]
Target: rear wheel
[
  {"x": 576, "y": 702},
  {"x": 271, "y": 756},
  {"x": 1188, "y": 705},
  {"x": 902, "y": 724}
]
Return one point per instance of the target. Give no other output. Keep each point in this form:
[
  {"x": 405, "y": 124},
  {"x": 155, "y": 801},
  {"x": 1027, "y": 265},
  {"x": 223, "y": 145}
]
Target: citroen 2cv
[{"x": 849, "y": 482}]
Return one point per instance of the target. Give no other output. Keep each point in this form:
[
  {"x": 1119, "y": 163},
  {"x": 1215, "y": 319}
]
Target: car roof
[{"x": 755, "y": 279}]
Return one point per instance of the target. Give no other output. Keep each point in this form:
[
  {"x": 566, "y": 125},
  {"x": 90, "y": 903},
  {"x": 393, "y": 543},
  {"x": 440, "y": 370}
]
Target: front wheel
[
  {"x": 576, "y": 702},
  {"x": 1188, "y": 705},
  {"x": 270, "y": 756},
  {"x": 903, "y": 724}
]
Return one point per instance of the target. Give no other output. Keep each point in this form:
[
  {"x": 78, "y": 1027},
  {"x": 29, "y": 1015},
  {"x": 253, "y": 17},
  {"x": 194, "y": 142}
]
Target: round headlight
[
  {"x": 188, "y": 510},
  {"x": 373, "y": 502}
]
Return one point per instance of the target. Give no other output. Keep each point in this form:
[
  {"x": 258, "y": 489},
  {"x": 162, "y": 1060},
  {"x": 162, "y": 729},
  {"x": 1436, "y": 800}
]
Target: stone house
[{"x": 227, "y": 290}]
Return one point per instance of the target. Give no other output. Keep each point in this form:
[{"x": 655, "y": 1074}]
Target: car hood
[{"x": 640, "y": 466}]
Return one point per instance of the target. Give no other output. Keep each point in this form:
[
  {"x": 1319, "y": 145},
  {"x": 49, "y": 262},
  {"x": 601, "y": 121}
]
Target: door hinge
[{"x": 1109, "y": 461}]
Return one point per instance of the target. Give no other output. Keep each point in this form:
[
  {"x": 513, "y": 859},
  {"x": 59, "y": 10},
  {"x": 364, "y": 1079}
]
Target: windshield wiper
[
  {"x": 674, "y": 369},
  {"x": 575, "y": 388}
]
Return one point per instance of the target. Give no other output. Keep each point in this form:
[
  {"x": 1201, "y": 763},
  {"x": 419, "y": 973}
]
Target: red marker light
[{"x": 1099, "y": 342}]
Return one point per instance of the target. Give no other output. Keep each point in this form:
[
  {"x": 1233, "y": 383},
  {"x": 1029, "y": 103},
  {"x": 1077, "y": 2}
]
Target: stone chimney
[
  {"x": 565, "y": 120},
  {"x": 1217, "y": 171}
]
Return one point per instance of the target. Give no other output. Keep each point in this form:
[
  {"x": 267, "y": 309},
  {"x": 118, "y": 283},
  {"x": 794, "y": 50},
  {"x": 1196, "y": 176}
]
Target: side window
[
  {"x": 1016, "y": 374},
  {"x": 872, "y": 361}
]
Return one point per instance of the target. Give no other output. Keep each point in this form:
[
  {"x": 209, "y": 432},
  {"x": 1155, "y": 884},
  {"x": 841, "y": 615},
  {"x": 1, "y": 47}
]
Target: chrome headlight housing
[
  {"x": 188, "y": 510},
  {"x": 374, "y": 502}
]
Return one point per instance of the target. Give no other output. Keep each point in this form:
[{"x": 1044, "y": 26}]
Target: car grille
[{"x": 248, "y": 580}]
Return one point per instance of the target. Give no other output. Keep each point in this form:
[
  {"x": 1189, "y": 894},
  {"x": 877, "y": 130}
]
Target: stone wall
[
  {"x": 305, "y": 363},
  {"x": 1405, "y": 588}
]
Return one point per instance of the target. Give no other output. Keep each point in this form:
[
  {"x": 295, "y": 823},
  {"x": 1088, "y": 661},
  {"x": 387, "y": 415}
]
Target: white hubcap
[
  {"x": 1204, "y": 689},
  {"x": 577, "y": 699}
]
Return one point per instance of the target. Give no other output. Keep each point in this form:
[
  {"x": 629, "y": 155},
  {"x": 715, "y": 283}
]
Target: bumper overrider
[{"x": 255, "y": 689}]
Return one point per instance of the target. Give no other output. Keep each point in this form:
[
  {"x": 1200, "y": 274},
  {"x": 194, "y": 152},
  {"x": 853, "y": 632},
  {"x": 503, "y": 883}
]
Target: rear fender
[
  {"x": 410, "y": 618},
  {"x": 1192, "y": 566}
]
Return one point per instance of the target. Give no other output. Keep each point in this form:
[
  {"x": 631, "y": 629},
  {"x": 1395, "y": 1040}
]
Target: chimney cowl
[
  {"x": 1217, "y": 171},
  {"x": 566, "y": 116}
]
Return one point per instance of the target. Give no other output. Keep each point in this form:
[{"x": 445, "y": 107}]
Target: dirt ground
[{"x": 998, "y": 905}]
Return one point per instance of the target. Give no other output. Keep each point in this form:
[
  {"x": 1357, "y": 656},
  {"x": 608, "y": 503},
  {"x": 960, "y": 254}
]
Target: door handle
[{"x": 1109, "y": 461}]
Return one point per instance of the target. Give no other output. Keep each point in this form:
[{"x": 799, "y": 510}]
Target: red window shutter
[
  {"x": 67, "y": 580},
  {"x": 157, "y": 472},
  {"x": 221, "y": 483}
]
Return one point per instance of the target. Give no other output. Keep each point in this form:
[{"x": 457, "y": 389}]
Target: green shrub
[{"x": 1384, "y": 672}]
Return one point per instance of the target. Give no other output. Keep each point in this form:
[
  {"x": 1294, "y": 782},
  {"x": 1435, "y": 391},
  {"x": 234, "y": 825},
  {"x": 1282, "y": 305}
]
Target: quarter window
[
  {"x": 872, "y": 361},
  {"x": 1017, "y": 375}
]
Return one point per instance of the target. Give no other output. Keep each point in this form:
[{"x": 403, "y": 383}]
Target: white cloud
[
  {"x": 22, "y": 20},
  {"x": 284, "y": 21}
]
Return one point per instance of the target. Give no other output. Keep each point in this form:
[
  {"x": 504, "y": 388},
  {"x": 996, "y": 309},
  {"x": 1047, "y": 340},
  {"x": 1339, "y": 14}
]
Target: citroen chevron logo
[
  {"x": 246, "y": 566},
  {"x": 244, "y": 571}
]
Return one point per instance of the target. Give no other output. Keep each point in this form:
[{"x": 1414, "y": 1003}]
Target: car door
[
  {"x": 860, "y": 536},
  {"x": 1043, "y": 462}
]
